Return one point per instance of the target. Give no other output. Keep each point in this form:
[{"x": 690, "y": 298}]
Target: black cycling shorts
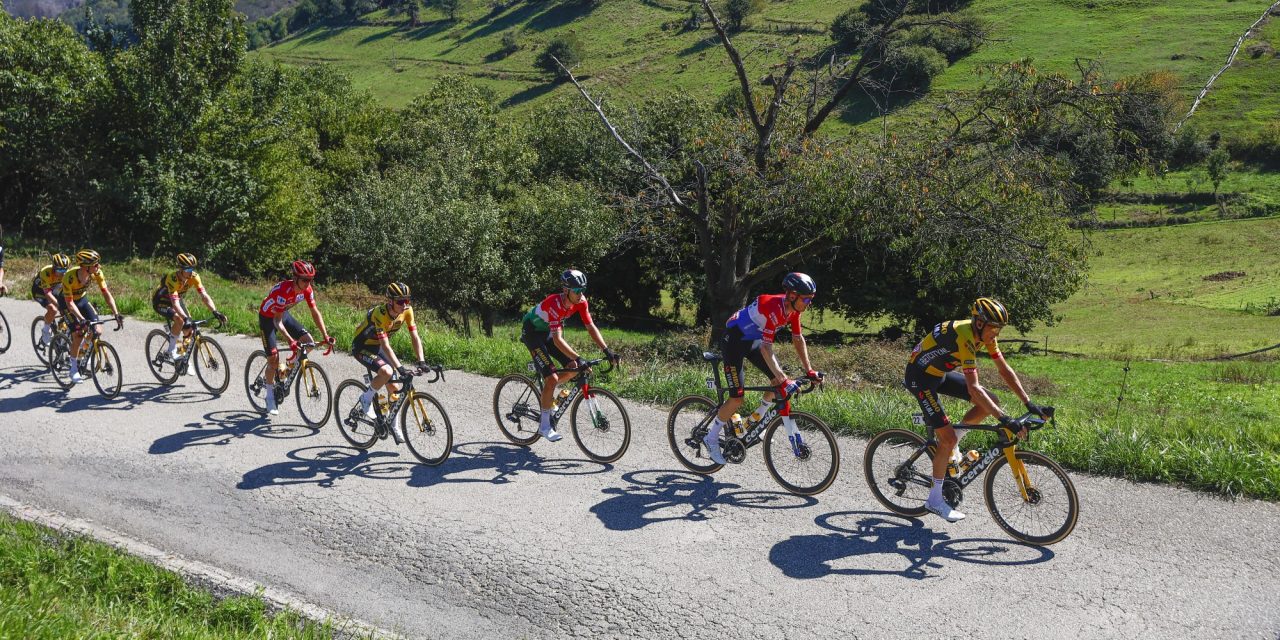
[
  {"x": 37, "y": 294},
  {"x": 543, "y": 349},
  {"x": 926, "y": 388},
  {"x": 86, "y": 309},
  {"x": 736, "y": 349},
  {"x": 268, "y": 328},
  {"x": 163, "y": 305},
  {"x": 372, "y": 360}
]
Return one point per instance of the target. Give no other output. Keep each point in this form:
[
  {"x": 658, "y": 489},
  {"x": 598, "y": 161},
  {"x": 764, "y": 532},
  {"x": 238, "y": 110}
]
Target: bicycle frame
[
  {"x": 753, "y": 435},
  {"x": 384, "y": 420},
  {"x": 1006, "y": 446},
  {"x": 581, "y": 386}
]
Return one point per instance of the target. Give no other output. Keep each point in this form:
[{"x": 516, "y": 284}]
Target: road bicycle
[
  {"x": 312, "y": 391},
  {"x": 423, "y": 422},
  {"x": 1028, "y": 494},
  {"x": 602, "y": 430},
  {"x": 195, "y": 350},
  {"x": 98, "y": 359},
  {"x": 37, "y": 335},
  {"x": 806, "y": 466},
  {"x": 6, "y": 335}
]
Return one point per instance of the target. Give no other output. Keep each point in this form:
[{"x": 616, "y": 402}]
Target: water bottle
[{"x": 738, "y": 428}]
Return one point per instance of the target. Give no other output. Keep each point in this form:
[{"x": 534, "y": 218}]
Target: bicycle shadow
[
  {"x": 321, "y": 465},
  {"x": 504, "y": 460},
  {"x": 806, "y": 557},
  {"x": 13, "y": 376},
  {"x": 681, "y": 495},
  {"x": 131, "y": 397},
  {"x": 227, "y": 426}
]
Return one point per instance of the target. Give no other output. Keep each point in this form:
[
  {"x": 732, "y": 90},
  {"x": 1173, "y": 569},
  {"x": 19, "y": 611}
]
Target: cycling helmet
[
  {"x": 799, "y": 283},
  {"x": 60, "y": 261},
  {"x": 303, "y": 269},
  {"x": 573, "y": 279},
  {"x": 990, "y": 310},
  {"x": 397, "y": 290},
  {"x": 88, "y": 257},
  {"x": 186, "y": 260}
]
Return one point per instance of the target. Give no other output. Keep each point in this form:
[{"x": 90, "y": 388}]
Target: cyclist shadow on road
[
  {"x": 14, "y": 376},
  {"x": 220, "y": 428},
  {"x": 663, "y": 495},
  {"x": 861, "y": 534},
  {"x": 498, "y": 463},
  {"x": 131, "y": 397},
  {"x": 321, "y": 465}
]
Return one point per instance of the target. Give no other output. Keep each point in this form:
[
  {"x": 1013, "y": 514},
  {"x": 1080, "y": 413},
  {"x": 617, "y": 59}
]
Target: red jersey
[
  {"x": 762, "y": 318},
  {"x": 283, "y": 296},
  {"x": 549, "y": 314}
]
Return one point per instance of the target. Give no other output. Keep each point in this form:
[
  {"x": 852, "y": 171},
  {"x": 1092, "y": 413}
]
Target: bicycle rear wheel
[
  {"x": 1050, "y": 510},
  {"x": 899, "y": 471},
  {"x": 211, "y": 365},
  {"x": 808, "y": 465},
  {"x": 6, "y": 334},
  {"x": 358, "y": 429},
  {"x": 158, "y": 360},
  {"x": 517, "y": 408},
  {"x": 255, "y": 380},
  {"x": 687, "y": 425},
  {"x": 104, "y": 366},
  {"x": 426, "y": 429},
  {"x": 59, "y": 361},
  {"x": 603, "y": 429},
  {"x": 314, "y": 395},
  {"x": 37, "y": 331}
]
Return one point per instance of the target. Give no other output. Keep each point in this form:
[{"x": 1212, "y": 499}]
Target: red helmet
[{"x": 303, "y": 269}]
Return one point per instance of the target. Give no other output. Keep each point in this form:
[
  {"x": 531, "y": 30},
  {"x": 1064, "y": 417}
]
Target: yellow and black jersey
[
  {"x": 48, "y": 279},
  {"x": 172, "y": 287},
  {"x": 73, "y": 290},
  {"x": 950, "y": 345},
  {"x": 379, "y": 323}
]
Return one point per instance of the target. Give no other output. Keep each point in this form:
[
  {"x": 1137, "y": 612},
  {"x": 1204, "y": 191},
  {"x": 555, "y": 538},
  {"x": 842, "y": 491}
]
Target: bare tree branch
[{"x": 737, "y": 65}]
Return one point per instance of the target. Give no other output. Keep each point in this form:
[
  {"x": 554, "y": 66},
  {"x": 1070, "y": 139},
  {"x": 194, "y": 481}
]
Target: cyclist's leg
[
  {"x": 267, "y": 330},
  {"x": 295, "y": 328},
  {"x": 756, "y": 357},
  {"x": 925, "y": 389},
  {"x": 537, "y": 342},
  {"x": 378, "y": 369},
  {"x": 164, "y": 309},
  {"x": 735, "y": 351}
]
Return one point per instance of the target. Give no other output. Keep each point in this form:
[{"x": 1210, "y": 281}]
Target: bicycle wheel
[
  {"x": 211, "y": 365},
  {"x": 604, "y": 431},
  {"x": 1047, "y": 514},
  {"x": 255, "y": 380},
  {"x": 158, "y": 360},
  {"x": 37, "y": 331},
  {"x": 806, "y": 467},
  {"x": 426, "y": 429},
  {"x": 6, "y": 334},
  {"x": 687, "y": 424},
  {"x": 59, "y": 362},
  {"x": 104, "y": 366},
  {"x": 314, "y": 395},
  {"x": 517, "y": 409},
  {"x": 899, "y": 471},
  {"x": 355, "y": 427}
]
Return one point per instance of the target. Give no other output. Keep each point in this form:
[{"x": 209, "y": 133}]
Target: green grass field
[
  {"x": 1247, "y": 96},
  {"x": 55, "y": 586}
]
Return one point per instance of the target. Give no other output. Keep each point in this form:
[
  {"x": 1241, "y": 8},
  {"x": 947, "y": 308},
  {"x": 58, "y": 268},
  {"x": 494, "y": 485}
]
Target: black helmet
[
  {"x": 990, "y": 310},
  {"x": 573, "y": 279},
  {"x": 799, "y": 283},
  {"x": 397, "y": 290}
]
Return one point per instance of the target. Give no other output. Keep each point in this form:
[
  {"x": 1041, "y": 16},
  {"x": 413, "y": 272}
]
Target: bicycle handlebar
[{"x": 437, "y": 369}]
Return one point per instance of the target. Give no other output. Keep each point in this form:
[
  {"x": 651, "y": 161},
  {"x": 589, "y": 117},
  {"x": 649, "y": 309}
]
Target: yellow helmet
[
  {"x": 397, "y": 290},
  {"x": 60, "y": 261},
  {"x": 990, "y": 310},
  {"x": 87, "y": 257},
  {"x": 186, "y": 260}
]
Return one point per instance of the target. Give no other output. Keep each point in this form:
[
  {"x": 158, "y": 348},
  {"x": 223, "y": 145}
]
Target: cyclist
[
  {"x": 274, "y": 314},
  {"x": 75, "y": 285},
  {"x": 931, "y": 370},
  {"x": 541, "y": 334},
  {"x": 46, "y": 289},
  {"x": 167, "y": 300},
  {"x": 372, "y": 344},
  {"x": 749, "y": 336}
]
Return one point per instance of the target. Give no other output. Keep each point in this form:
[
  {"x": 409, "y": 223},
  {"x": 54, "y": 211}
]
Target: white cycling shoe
[
  {"x": 713, "y": 449},
  {"x": 944, "y": 510},
  {"x": 550, "y": 434},
  {"x": 76, "y": 378},
  {"x": 367, "y": 406}
]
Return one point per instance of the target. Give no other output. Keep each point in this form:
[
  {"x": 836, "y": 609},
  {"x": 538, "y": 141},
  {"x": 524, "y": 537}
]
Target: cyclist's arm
[
  {"x": 176, "y": 304},
  {"x": 51, "y": 297},
  {"x": 384, "y": 342},
  {"x": 111, "y": 300},
  {"x": 802, "y": 350},
  {"x": 2, "y": 287},
  {"x": 417, "y": 345},
  {"x": 557, "y": 338},
  {"x": 315, "y": 315},
  {"x": 979, "y": 395},
  {"x": 766, "y": 349},
  {"x": 1011, "y": 378},
  {"x": 208, "y": 301},
  {"x": 73, "y": 309},
  {"x": 595, "y": 335}
]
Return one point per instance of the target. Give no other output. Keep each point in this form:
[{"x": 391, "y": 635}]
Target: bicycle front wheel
[
  {"x": 211, "y": 366},
  {"x": 804, "y": 464},
  {"x": 899, "y": 471},
  {"x": 104, "y": 363},
  {"x": 517, "y": 408},
  {"x": 426, "y": 429},
  {"x": 157, "y": 352},
  {"x": 255, "y": 380},
  {"x": 603, "y": 428},
  {"x": 37, "y": 341},
  {"x": 6, "y": 334},
  {"x": 1048, "y": 511},
  {"x": 687, "y": 425},
  {"x": 314, "y": 395},
  {"x": 357, "y": 428},
  {"x": 59, "y": 361}
]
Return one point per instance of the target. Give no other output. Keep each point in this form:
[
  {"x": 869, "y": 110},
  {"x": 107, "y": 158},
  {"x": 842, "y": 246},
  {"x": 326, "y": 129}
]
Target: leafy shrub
[
  {"x": 736, "y": 12},
  {"x": 566, "y": 48}
]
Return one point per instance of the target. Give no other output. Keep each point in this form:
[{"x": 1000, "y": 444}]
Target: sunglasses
[
  {"x": 578, "y": 289},
  {"x": 402, "y": 301},
  {"x": 189, "y": 269},
  {"x": 807, "y": 299},
  {"x": 59, "y": 270}
]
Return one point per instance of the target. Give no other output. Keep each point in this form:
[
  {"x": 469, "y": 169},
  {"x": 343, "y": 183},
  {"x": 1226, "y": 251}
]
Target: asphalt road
[{"x": 508, "y": 542}]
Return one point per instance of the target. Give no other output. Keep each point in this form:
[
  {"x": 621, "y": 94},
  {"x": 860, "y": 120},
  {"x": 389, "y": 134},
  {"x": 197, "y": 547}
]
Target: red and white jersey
[
  {"x": 762, "y": 318},
  {"x": 283, "y": 296},
  {"x": 549, "y": 315}
]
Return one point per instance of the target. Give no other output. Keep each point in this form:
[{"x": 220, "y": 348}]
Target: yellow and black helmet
[
  {"x": 60, "y": 261},
  {"x": 187, "y": 260},
  {"x": 88, "y": 257},
  {"x": 990, "y": 310},
  {"x": 397, "y": 290}
]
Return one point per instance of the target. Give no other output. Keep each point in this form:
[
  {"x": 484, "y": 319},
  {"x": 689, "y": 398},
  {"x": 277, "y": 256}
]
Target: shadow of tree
[
  {"x": 522, "y": 12},
  {"x": 558, "y": 15},
  {"x": 535, "y": 91},
  {"x": 857, "y": 534},
  {"x": 666, "y": 495}
]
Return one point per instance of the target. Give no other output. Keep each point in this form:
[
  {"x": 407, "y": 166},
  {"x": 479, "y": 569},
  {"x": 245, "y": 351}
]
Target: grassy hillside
[{"x": 1247, "y": 96}]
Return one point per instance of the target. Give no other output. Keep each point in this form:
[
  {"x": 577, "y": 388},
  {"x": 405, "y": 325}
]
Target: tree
[
  {"x": 564, "y": 50},
  {"x": 737, "y": 12},
  {"x": 1216, "y": 165},
  {"x": 448, "y": 7}
]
